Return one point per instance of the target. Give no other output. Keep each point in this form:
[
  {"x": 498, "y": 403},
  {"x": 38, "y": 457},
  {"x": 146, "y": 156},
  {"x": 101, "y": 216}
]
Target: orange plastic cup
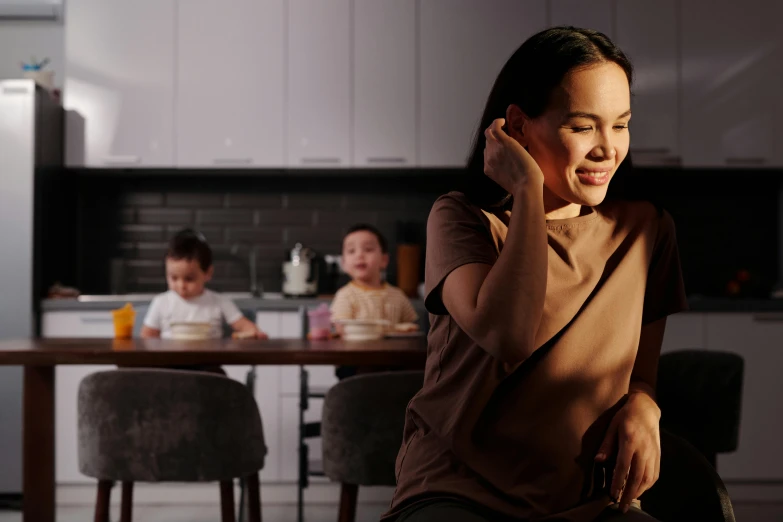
[{"x": 123, "y": 321}]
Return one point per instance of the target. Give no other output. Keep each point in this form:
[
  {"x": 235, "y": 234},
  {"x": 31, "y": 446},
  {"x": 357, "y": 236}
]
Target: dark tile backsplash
[
  {"x": 132, "y": 218},
  {"x": 726, "y": 220}
]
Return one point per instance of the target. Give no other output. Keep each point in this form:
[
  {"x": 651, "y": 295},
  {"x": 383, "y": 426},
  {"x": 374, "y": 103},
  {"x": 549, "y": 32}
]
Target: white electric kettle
[{"x": 300, "y": 273}]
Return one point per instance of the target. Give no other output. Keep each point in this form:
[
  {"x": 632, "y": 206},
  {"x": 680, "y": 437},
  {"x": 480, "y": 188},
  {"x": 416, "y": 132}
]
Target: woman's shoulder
[
  {"x": 456, "y": 205},
  {"x": 636, "y": 213}
]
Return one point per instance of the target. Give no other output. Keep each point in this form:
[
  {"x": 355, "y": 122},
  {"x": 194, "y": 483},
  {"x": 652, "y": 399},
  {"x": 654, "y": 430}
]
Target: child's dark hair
[
  {"x": 372, "y": 230},
  {"x": 189, "y": 244}
]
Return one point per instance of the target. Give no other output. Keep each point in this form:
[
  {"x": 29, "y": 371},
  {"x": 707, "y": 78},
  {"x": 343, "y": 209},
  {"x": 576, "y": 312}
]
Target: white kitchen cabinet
[
  {"x": 230, "y": 83},
  {"x": 684, "y": 331},
  {"x": 596, "y": 14},
  {"x": 266, "y": 395},
  {"x": 647, "y": 33},
  {"x": 289, "y": 449},
  {"x": 758, "y": 338},
  {"x": 65, "y": 324},
  {"x": 463, "y": 44},
  {"x": 732, "y": 76},
  {"x": 269, "y": 323},
  {"x": 120, "y": 68},
  {"x": 384, "y": 83},
  {"x": 319, "y": 83}
]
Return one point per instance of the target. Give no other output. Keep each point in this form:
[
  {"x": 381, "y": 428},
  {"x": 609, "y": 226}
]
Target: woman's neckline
[{"x": 586, "y": 214}]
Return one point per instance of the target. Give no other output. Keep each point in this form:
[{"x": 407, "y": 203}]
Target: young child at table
[
  {"x": 188, "y": 269},
  {"x": 365, "y": 256}
]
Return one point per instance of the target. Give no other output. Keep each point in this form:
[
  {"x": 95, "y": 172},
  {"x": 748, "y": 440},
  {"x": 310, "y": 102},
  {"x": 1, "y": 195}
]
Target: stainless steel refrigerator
[{"x": 31, "y": 139}]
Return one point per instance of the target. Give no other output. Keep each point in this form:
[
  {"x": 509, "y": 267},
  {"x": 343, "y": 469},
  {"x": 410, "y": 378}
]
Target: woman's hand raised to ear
[{"x": 506, "y": 162}]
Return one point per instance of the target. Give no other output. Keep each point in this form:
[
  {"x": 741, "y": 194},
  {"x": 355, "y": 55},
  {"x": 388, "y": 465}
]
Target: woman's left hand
[{"x": 635, "y": 434}]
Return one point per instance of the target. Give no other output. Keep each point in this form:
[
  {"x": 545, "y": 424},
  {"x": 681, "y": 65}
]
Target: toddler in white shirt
[{"x": 188, "y": 269}]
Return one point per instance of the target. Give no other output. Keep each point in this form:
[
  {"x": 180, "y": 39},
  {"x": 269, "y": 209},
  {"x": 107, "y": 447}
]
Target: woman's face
[{"x": 582, "y": 137}]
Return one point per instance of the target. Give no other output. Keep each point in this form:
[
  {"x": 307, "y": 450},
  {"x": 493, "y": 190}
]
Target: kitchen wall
[
  {"x": 727, "y": 220},
  {"x": 128, "y": 219}
]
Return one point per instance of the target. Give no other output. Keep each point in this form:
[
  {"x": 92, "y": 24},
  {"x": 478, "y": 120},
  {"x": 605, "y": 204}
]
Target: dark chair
[
  {"x": 154, "y": 425},
  {"x": 363, "y": 418},
  {"x": 361, "y": 429},
  {"x": 688, "y": 489},
  {"x": 700, "y": 396}
]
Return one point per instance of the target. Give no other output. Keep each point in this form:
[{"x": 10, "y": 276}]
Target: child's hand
[{"x": 249, "y": 334}]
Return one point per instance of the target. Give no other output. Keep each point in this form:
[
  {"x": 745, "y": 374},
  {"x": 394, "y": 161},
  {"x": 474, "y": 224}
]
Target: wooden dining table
[{"x": 40, "y": 356}]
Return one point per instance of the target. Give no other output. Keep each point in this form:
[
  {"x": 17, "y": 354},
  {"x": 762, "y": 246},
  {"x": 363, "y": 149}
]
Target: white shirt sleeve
[
  {"x": 229, "y": 310},
  {"x": 154, "y": 317}
]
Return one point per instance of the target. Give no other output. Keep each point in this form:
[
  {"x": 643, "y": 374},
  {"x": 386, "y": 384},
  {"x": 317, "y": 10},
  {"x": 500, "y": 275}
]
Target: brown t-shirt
[{"x": 522, "y": 442}]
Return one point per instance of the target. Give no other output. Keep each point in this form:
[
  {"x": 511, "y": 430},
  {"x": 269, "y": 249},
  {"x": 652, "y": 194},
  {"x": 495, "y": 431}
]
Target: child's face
[
  {"x": 362, "y": 256},
  {"x": 186, "y": 277}
]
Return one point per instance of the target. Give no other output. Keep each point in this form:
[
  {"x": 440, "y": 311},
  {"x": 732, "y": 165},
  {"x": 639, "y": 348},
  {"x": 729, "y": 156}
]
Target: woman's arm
[
  {"x": 645, "y": 370},
  {"x": 500, "y": 306},
  {"x": 634, "y": 432}
]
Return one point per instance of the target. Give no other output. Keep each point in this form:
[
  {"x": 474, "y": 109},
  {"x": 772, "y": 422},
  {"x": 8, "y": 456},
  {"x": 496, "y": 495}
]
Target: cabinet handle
[
  {"x": 768, "y": 317},
  {"x": 317, "y": 161},
  {"x": 97, "y": 320},
  {"x": 745, "y": 161},
  {"x": 233, "y": 161},
  {"x": 650, "y": 150},
  {"x": 122, "y": 160},
  {"x": 387, "y": 161}
]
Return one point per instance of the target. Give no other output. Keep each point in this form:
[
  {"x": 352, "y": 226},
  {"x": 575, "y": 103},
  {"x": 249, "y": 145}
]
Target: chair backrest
[
  {"x": 688, "y": 488},
  {"x": 362, "y": 424},
  {"x": 167, "y": 425},
  {"x": 700, "y": 396}
]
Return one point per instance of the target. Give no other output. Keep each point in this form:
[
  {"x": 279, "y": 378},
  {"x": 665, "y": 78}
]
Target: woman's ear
[{"x": 517, "y": 124}]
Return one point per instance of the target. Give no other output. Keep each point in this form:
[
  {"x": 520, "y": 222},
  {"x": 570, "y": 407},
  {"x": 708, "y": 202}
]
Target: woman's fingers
[
  {"x": 621, "y": 468},
  {"x": 608, "y": 445},
  {"x": 633, "y": 483}
]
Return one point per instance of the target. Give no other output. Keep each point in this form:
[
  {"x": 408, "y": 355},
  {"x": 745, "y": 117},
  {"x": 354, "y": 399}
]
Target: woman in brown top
[{"x": 547, "y": 319}]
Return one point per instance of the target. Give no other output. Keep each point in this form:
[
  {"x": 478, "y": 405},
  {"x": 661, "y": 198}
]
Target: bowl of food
[
  {"x": 191, "y": 331},
  {"x": 363, "y": 329}
]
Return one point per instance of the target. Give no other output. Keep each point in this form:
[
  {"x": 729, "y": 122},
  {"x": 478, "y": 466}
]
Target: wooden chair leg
[
  {"x": 348, "y": 496},
  {"x": 253, "y": 498},
  {"x": 126, "y": 509},
  {"x": 103, "y": 500},
  {"x": 227, "y": 501}
]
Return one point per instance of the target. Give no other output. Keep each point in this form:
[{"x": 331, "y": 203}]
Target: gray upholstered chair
[
  {"x": 361, "y": 430},
  {"x": 155, "y": 425}
]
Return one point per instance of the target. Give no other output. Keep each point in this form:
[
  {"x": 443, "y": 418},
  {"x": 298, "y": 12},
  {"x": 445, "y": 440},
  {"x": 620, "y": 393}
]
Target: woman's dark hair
[
  {"x": 527, "y": 80},
  {"x": 190, "y": 245}
]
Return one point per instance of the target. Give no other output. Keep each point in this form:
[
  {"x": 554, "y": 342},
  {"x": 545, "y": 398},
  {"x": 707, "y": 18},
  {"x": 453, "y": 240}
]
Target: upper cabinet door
[
  {"x": 732, "y": 76},
  {"x": 595, "y": 14},
  {"x": 647, "y": 33},
  {"x": 384, "y": 88},
  {"x": 463, "y": 46},
  {"x": 120, "y": 78},
  {"x": 319, "y": 83},
  {"x": 230, "y": 83}
]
